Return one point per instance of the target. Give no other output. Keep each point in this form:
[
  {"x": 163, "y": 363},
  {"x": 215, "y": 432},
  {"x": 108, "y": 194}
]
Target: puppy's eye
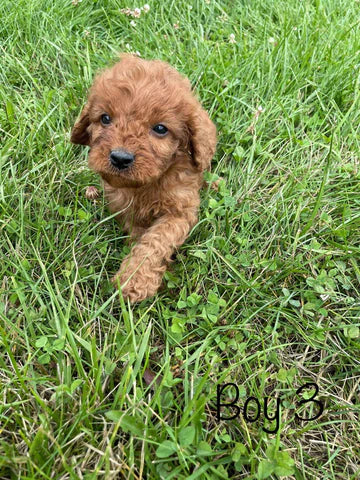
[
  {"x": 105, "y": 119},
  {"x": 160, "y": 129}
]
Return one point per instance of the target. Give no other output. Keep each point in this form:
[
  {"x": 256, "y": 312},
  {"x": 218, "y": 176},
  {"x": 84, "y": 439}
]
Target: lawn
[{"x": 264, "y": 294}]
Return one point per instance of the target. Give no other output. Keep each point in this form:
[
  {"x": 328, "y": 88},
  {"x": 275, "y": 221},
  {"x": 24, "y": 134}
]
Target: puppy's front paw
[{"x": 135, "y": 287}]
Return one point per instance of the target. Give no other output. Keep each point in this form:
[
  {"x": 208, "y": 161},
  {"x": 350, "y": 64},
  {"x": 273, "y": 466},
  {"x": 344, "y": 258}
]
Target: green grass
[{"x": 264, "y": 293}]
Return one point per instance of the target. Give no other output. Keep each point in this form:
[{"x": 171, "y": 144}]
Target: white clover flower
[
  {"x": 232, "y": 38},
  {"x": 133, "y": 23},
  {"x": 92, "y": 193},
  {"x": 271, "y": 40},
  {"x": 146, "y": 8},
  {"x": 136, "y": 13},
  {"x": 259, "y": 110}
]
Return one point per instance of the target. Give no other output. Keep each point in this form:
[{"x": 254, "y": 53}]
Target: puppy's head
[{"x": 140, "y": 115}]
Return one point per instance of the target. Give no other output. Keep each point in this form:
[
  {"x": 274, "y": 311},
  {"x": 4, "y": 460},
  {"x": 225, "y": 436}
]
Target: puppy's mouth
[
  {"x": 123, "y": 172},
  {"x": 120, "y": 178}
]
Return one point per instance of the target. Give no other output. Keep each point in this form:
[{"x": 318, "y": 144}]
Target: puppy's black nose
[{"x": 121, "y": 159}]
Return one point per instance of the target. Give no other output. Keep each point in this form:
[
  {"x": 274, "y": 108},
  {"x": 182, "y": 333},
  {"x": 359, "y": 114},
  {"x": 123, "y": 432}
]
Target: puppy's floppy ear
[
  {"x": 79, "y": 133},
  {"x": 202, "y": 138}
]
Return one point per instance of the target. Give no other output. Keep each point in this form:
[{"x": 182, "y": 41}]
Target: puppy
[{"x": 150, "y": 141}]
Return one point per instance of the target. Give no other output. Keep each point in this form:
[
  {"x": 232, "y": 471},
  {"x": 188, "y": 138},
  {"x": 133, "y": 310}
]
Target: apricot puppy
[{"x": 150, "y": 140}]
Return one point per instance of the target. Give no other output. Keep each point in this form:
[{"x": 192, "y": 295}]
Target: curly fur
[{"x": 157, "y": 197}]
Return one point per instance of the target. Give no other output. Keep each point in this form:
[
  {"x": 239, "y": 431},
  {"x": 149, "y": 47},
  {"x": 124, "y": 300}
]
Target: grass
[{"x": 264, "y": 293}]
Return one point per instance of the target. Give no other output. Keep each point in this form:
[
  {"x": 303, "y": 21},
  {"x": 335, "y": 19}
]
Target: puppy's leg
[
  {"x": 134, "y": 234},
  {"x": 142, "y": 270}
]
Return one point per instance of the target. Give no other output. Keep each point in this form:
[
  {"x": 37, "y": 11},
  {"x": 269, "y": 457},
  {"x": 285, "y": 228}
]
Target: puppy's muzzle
[{"x": 121, "y": 159}]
